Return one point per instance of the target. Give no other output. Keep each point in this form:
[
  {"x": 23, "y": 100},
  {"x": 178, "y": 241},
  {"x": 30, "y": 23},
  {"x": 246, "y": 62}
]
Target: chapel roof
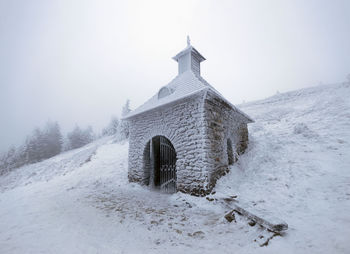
[{"x": 187, "y": 83}]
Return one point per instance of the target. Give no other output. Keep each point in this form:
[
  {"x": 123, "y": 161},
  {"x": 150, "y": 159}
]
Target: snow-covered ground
[{"x": 297, "y": 168}]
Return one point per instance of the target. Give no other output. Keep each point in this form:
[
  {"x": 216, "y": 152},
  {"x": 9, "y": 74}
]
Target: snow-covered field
[{"x": 297, "y": 168}]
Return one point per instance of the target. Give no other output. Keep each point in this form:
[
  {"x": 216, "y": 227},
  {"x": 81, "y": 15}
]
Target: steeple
[{"x": 189, "y": 59}]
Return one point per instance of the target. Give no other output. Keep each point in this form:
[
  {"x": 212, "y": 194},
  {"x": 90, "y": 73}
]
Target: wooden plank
[
  {"x": 261, "y": 217},
  {"x": 272, "y": 223}
]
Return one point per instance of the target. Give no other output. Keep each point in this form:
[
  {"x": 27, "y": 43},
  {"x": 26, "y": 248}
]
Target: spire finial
[{"x": 188, "y": 41}]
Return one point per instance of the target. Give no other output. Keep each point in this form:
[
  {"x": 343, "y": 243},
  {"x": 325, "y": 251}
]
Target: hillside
[{"x": 297, "y": 168}]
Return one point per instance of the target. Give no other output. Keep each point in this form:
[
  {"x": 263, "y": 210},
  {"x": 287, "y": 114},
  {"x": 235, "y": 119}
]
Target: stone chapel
[{"x": 187, "y": 135}]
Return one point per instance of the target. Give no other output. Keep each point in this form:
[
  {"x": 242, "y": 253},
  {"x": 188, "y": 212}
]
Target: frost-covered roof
[
  {"x": 187, "y": 83},
  {"x": 182, "y": 86},
  {"x": 250, "y": 120}
]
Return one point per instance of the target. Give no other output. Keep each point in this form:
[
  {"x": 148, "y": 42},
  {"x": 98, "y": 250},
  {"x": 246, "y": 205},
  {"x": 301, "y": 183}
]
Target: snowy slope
[{"x": 297, "y": 168}]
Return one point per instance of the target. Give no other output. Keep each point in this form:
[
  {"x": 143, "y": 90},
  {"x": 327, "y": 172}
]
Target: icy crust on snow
[
  {"x": 297, "y": 167},
  {"x": 82, "y": 202}
]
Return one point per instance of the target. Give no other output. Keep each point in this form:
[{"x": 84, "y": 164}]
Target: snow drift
[{"x": 297, "y": 168}]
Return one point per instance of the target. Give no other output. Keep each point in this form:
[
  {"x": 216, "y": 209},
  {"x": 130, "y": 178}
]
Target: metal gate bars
[{"x": 167, "y": 166}]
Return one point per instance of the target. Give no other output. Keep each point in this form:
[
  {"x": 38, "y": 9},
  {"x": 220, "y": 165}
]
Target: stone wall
[
  {"x": 222, "y": 123},
  {"x": 198, "y": 127},
  {"x": 182, "y": 123}
]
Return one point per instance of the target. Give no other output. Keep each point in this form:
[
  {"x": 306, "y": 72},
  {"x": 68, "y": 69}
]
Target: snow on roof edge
[
  {"x": 250, "y": 120},
  {"x": 169, "y": 102},
  {"x": 186, "y": 50}
]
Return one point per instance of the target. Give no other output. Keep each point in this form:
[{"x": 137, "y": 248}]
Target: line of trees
[
  {"x": 47, "y": 142},
  {"x": 43, "y": 144}
]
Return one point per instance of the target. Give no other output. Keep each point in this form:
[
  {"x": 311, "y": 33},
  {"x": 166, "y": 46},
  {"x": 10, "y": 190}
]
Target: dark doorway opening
[
  {"x": 160, "y": 164},
  {"x": 230, "y": 152}
]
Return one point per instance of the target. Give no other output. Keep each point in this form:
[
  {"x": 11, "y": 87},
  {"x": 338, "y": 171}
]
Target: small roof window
[{"x": 164, "y": 92}]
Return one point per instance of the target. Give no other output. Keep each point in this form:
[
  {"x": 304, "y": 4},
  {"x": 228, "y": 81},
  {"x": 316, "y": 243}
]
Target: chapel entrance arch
[{"x": 160, "y": 164}]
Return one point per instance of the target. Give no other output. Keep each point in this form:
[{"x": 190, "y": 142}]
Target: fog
[{"x": 76, "y": 62}]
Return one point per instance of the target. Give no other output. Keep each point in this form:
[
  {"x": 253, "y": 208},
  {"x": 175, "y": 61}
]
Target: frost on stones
[{"x": 185, "y": 137}]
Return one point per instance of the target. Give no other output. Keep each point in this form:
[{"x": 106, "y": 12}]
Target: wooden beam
[{"x": 262, "y": 218}]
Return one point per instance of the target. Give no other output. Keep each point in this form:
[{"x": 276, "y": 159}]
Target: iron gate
[{"x": 167, "y": 166}]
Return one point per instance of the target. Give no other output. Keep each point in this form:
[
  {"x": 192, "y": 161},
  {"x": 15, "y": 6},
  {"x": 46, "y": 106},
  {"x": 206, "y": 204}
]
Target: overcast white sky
[{"x": 78, "y": 61}]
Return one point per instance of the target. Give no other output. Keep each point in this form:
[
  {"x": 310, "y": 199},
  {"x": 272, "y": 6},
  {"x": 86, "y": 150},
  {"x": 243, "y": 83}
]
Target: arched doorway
[{"x": 160, "y": 164}]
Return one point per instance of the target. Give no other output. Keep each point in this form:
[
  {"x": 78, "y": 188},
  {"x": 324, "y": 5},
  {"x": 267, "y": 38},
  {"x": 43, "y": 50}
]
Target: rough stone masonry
[{"x": 207, "y": 132}]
